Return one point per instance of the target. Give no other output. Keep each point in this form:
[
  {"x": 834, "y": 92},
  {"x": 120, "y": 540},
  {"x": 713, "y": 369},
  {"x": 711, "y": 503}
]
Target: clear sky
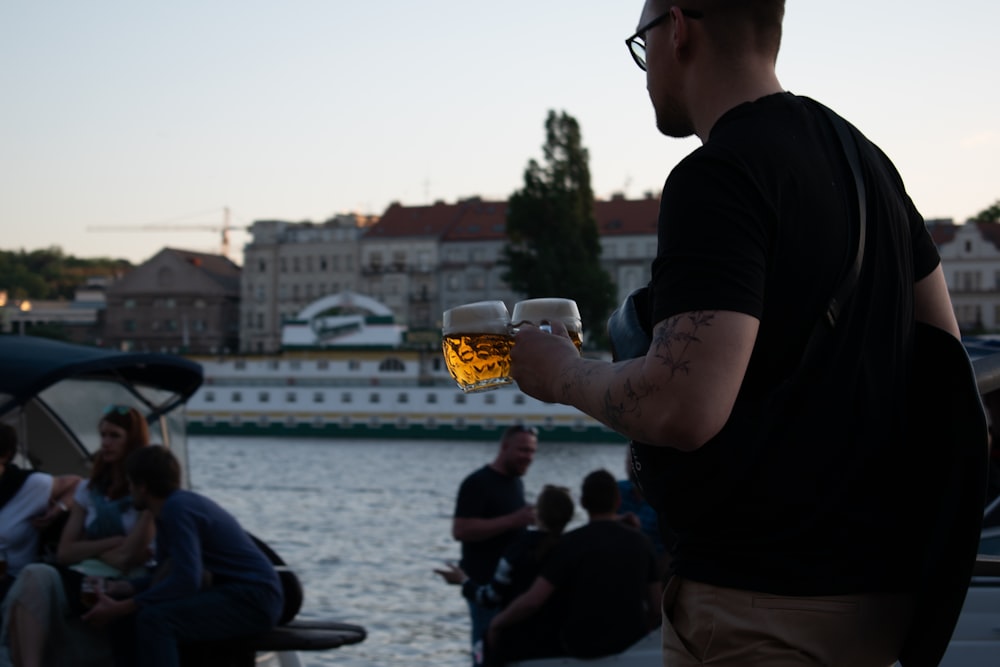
[{"x": 117, "y": 112}]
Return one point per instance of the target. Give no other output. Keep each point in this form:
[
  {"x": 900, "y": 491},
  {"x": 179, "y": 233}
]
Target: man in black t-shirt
[
  {"x": 777, "y": 472},
  {"x": 490, "y": 513},
  {"x": 596, "y": 594}
]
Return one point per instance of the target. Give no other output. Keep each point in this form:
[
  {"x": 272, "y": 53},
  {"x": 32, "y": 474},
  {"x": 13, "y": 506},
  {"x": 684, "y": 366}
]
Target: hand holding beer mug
[
  {"x": 536, "y": 311},
  {"x": 476, "y": 344}
]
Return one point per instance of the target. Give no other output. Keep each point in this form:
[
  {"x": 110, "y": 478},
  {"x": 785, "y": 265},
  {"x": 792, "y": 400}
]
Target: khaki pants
[{"x": 725, "y": 627}]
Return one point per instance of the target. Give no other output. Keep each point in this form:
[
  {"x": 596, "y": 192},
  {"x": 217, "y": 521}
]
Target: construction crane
[{"x": 224, "y": 229}]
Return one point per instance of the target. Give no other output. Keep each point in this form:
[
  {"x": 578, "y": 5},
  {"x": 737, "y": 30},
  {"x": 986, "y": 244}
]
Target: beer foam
[
  {"x": 548, "y": 308},
  {"x": 478, "y": 317}
]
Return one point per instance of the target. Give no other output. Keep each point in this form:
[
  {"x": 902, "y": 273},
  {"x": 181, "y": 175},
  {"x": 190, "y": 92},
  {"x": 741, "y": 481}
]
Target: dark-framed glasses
[
  {"x": 119, "y": 409},
  {"x": 637, "y": 43}
]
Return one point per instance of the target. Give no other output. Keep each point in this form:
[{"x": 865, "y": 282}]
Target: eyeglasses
[
  {"x": 637, "y": 43},
  {"x": 120, "y": 409},
  {"x": 521, "y": 428}
]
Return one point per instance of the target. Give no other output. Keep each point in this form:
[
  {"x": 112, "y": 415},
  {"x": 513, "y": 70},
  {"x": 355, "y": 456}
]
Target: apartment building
[
  {"x": 287, "y": 266},
  {"x": 416, "y": 260},
  {"x": 970, "y": 258},
  {"x": 177, "y": 301}
]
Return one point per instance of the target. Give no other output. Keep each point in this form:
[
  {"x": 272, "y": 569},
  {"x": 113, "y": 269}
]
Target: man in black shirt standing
[
  {"x": 772, "y": 454},
  {"x": 491, "y": 512}
]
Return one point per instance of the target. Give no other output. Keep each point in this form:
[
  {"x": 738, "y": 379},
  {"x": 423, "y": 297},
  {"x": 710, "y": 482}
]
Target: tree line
[{"x": 50, "y": 273}]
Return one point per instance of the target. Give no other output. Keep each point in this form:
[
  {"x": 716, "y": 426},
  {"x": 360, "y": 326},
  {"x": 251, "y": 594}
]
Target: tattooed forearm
[
  {"x": 624, "y": 401},
  {"x": 626, "y": 405},
  {"x": 672, "y": 341}
]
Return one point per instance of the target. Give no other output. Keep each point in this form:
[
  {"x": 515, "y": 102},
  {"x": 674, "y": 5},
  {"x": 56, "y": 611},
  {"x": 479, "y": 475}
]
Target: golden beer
[
  {"x": 476, "y": 342},
  {"x": 536, "y": 311}
]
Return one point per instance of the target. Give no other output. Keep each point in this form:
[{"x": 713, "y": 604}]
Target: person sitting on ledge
[
  {"x": 214, "y": 583},
  {"x": 596, "y": 594}
]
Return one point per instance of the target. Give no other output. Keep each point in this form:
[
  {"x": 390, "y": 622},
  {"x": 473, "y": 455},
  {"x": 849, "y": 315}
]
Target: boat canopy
[
  {"x": 29, "y": 365},
  {"x": 54, "y": 394}
]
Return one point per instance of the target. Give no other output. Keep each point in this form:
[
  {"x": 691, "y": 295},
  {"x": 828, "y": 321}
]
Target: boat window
[
  {"x": 345, "y": 397},
  {"x": 432, "y": 398},
  {"x": 354, "y": 365},
  {"x": 460, "y": 398},
  {"x": 519, "y": 399},
  {"x": 264, "y": 397},
  {"x": 274, "y": 364},
  {"x": 373, "y": 397},
  {"x": 209, "y": 396},
  {"x": 291, "y": 397},
  {"x": 322, "y": 365},
  {"x": 240, "y": 365},
  {"x": 318, "y": 397},
  {"x": 392, "y": 365},
  {"x": 237, "y": 397},
  {"x": 404, "y": 398},
  {"x": 491, "y": 399}
]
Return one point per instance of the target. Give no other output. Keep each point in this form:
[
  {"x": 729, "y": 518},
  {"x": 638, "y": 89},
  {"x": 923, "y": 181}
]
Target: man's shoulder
[{"x": 479, "y": 473}]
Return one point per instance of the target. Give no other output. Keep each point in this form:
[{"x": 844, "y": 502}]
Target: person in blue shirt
[{"x": 214, "y": 582}]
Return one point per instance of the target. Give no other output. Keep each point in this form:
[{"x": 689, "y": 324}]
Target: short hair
[
  {"x": 8, "y": 442},
  {"x": 156, "y": 468},
  {"x": 511, "y": 431},
  {"x": 726, "y": 22},
  {"x": 554, "y": 507},
  {"x": 600, "y": 492}
]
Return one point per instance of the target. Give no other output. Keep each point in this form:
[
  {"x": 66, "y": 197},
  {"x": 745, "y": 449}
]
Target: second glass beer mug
[
  {"x": 476, "y": 342},
  {"x": 547, "y": 309}
]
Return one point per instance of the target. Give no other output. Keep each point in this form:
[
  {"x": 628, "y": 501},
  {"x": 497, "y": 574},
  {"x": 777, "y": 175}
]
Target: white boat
[
  {"x": 368, "y": 393},
  {"x": 51, "y": 393}
]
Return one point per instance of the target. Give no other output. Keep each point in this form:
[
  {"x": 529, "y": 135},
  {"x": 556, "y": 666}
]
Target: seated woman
[
  {"x": 522, "y": 560},
  {"x": 104, "y": 536},
  {"x": 30, "y": 501}
]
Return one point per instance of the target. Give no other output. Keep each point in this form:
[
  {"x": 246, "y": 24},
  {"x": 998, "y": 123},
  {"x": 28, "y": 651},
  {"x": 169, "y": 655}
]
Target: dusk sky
[{"x": 137, "y": 113}]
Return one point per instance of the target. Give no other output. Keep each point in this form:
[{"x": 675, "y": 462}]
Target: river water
[{"x": 363, "y": 524}]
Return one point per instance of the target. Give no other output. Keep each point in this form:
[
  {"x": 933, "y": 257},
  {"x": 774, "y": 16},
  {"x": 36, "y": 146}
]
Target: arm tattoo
[{"x": 670, "y": 345}]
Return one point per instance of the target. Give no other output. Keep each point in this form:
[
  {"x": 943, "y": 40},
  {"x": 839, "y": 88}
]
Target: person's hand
[
  {"x": 453, "y": 574},
  {"x": 118, "y": 588},
  {"x": 524, "y": 517},
  {"x": 104, "y": 611},
  {"x": 537, "y": 358},
  {"x": 492, "y": 636}
]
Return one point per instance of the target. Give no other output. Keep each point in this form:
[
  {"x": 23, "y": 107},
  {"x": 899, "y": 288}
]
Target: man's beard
[{"x": 672, "y": 121}]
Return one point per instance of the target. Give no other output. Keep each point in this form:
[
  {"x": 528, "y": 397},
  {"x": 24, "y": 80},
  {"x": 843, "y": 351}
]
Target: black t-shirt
[
  {"x": 796, "y": 494},
  {"x": 601, "y": 573},
  {"x": 487, "y": 494},
  {"x": 515, "y": 572}
]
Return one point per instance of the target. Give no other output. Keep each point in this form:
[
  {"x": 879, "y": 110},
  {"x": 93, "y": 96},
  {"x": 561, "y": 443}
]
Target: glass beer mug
[
  {"x": 476, "y": 342},
  {"x": 564, "y": 310}
]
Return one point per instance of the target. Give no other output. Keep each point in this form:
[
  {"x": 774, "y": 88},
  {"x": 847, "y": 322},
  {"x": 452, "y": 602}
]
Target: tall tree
[
  {"x": 991, "y": 214},
  {"x": 553, "y": 244}
]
